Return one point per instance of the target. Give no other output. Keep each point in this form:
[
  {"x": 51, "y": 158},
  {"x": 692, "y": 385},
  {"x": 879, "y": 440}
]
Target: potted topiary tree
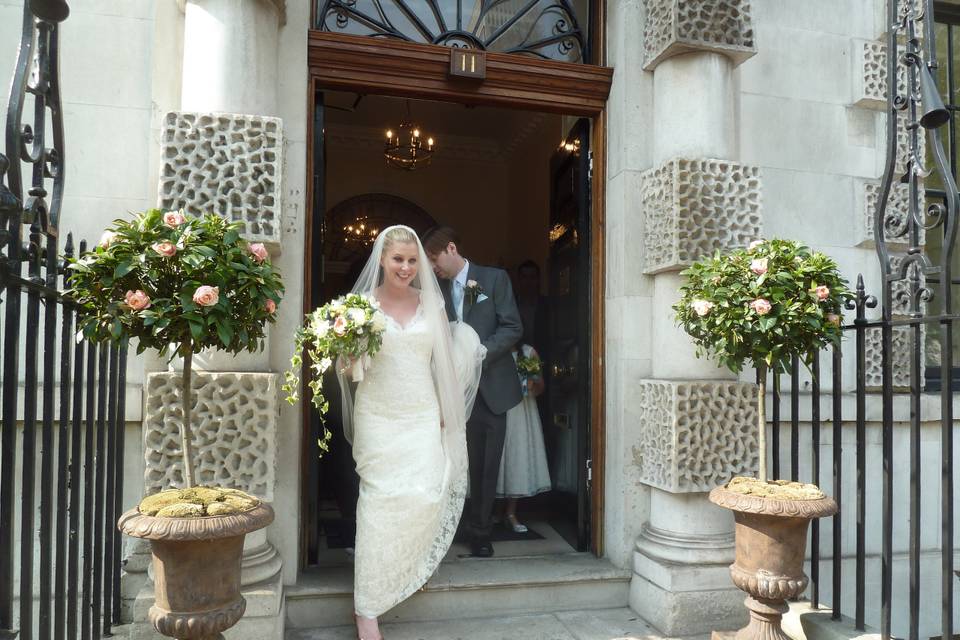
[
  {"x": 764, "y": 305},
  {"x": 180, "y": 283}
]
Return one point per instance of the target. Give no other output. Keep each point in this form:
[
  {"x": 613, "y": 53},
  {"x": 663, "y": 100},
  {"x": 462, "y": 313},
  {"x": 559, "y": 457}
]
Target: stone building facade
[{"x": 728, "y": 120}]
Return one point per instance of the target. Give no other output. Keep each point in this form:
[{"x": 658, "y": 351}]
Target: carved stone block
[
  {"x": 225, "y": 163},
  {"x": 692, "y": 207},
  {"x": 901, "y": 355},
  {"x": 234, "y": 431},
  {"x": 678, "y": 26},
  {"x": 696, "y": 435},
  {"x": 897, "y": 212}
]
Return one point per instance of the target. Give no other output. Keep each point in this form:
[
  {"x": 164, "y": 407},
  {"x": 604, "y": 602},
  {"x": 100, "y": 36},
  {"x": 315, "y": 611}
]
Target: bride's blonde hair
[{"x": 398, "y": 235}]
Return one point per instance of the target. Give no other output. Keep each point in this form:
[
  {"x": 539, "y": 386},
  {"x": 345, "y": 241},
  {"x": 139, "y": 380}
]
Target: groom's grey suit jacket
[{"x": 497, "y": 322}]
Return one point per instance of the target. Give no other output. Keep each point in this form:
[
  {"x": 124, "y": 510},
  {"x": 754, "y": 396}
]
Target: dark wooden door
[{"x": 568, "y": 350}]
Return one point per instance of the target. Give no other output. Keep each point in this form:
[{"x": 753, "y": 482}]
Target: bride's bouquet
[{"x": 348, "y": 330}]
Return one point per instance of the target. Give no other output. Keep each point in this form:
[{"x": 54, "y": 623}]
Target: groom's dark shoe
[{"x": 481, "y": 548}]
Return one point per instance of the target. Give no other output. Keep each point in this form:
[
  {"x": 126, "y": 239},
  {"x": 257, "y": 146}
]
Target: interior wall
[{"x": 497, "y": 200}]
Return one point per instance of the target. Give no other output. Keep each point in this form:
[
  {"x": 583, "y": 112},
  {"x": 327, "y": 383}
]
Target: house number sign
[{"x": 468, "y": 63}]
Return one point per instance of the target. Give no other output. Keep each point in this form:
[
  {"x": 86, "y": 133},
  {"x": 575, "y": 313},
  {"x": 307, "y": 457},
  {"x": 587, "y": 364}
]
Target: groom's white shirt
[{"x": 462, "y": 280}]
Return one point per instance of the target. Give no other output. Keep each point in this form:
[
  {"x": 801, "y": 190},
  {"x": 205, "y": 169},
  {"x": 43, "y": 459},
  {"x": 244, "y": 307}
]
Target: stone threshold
[
  {"x": 470, "y": 588},
  {"x": 593, "y": 624}
]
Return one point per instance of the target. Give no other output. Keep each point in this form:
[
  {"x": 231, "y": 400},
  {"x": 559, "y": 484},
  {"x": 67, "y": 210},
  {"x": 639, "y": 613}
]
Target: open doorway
[{"x": 515, "y": 185}]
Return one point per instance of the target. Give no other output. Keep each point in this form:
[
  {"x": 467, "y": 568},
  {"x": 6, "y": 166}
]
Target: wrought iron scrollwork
[
  {"x": 36, "y": 76},
  {"x": 547, "y": 29}
]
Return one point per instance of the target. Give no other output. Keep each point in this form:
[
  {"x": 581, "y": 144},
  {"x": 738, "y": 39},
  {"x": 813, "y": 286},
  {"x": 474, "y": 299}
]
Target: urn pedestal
[
  {"x": 771, "y": 541},
  {"x": 196, "y": 565}
]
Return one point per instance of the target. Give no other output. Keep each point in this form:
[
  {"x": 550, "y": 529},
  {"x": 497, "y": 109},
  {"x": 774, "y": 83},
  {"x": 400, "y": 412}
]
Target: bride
[{"x": 406, "y": 419}]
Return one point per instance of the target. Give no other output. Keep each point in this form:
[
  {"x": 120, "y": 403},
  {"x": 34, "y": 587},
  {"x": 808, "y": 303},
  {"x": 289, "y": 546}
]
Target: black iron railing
[
  {"x": 62, "y": 419},
  {"x": 915, "y": 299}
]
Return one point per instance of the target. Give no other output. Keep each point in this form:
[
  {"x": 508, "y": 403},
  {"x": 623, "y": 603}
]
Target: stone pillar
[
  {"x": 230, "y": 55},
  {"x": 222, "y": 153},
  {"x": 696, "y": 420}
]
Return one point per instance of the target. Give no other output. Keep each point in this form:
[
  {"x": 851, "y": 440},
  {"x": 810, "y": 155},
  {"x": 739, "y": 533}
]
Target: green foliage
[
  {"x": 350, "y": 329},
  {"x": 146, "y": 280},
  {"x": 763, "y": 304}
]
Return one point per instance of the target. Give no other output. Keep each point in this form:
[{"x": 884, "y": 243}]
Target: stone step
[
  {"x": 592, "y": 624},
  {"x": 470, "y": 588}
]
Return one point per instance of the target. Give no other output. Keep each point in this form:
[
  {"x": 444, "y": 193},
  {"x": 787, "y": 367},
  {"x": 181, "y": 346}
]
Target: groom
[{"x": 482, "y": 297}]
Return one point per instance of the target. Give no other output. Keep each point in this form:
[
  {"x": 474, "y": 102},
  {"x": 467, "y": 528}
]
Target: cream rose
[
  {"x": 107, "y": 239},
  {"x": 173, "y": 219},
  {"x": 258, "y": 250},
  {"x": 137, "y": 300},
  {"x": 165, "y": 249},
  {"x": 206, "y": 296},
  {"x": 754, "y": 245},
  {"x": 702, "y": 307},
  {"x": 358, "y": 316},
  {"x": 759, "y": 266},
  {"x": 833, "y": 319},
  {"x": 761, "y": 306},
  {"x": 379, "y": 322},
  {"x": 823, "y": 292}
]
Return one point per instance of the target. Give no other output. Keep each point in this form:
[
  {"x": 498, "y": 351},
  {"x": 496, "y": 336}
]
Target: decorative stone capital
[
  {"x": 225, "y": 163},
  {"x": 692, "y": 207},
  {"x": 235, "y": 419},
  {"x": 678, "y": 26},
  {"x": 696, "y": 435}
]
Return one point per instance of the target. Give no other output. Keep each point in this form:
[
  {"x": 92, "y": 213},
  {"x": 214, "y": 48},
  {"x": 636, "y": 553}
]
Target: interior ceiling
[{"x": 438, "y": 119}]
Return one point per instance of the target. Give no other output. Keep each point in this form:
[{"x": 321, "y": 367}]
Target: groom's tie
[{"x": 458, "y": 299}]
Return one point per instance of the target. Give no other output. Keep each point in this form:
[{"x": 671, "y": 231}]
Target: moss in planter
[
  {"x": 777, "y": 489},
  {"x": 197, "y": 502}
]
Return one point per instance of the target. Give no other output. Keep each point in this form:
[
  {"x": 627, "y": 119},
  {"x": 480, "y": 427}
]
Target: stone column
[
  {"x": 696, "y": 421},
  {"x": 222, "y": 153}
]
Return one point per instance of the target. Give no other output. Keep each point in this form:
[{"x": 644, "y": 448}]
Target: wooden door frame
[{"x": 404, "y": 69}]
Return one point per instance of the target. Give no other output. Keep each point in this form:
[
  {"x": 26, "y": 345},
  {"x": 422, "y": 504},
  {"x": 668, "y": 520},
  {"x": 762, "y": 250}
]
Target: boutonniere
[{"x": 474, "y": 292}]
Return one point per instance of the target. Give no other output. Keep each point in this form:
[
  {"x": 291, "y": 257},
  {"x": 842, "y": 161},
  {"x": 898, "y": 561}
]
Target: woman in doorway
[
  {"x": 523, "y": 468},
  {"x": 407, "y": 422}
]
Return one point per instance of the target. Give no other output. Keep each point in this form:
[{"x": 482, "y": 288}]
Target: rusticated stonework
[
  {"x": 901, "y": 355},
  {"x": 234, "y": 429},
  {"x": 677, "y": 26},
  {"x": 897, "y": 212},
  {"x": 225, "y": 163},
  {"x": 692, "y": 207},
  {"x": 696, "y": 435}
]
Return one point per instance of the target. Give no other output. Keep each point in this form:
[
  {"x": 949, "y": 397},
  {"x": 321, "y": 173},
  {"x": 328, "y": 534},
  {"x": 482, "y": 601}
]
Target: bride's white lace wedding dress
[{"x": 412, "y": 483}]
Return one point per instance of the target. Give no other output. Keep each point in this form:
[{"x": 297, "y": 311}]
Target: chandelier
[
  {"x": 360, "y": 231},
  {"x": 406, "y": 149}
]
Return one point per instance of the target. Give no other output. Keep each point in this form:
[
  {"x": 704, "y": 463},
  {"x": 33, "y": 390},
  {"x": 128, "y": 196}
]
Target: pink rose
[
  {"x": 107, "y": 239},
  {"x": 833, "y": 319},
  {"x": 173, "y": 219},
  {"x": 206, "y": 296},
  {"x": 270, "y": 306},
  {"x": 258, "y": 250},
  {"x": 759, "y": 266},
  {"x": 701, "y": 307},
  {"x": 761, "y": 306},
  {"x": 165, "y": 249},
  {"x": 823, "y": 292},
  {"x": 340, "y": 325},
  {"x": 137, "y": 300}
]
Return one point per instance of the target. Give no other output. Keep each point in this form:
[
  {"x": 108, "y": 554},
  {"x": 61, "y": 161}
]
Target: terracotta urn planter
[
  {"x": 771, "y": 541},
  {"x": 196, "y": 565}
]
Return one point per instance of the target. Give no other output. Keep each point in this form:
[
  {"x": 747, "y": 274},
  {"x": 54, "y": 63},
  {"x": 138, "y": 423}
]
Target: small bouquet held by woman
[
  {"x": 347, "y": 331},
  {"x": 529, "y": 368}
]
